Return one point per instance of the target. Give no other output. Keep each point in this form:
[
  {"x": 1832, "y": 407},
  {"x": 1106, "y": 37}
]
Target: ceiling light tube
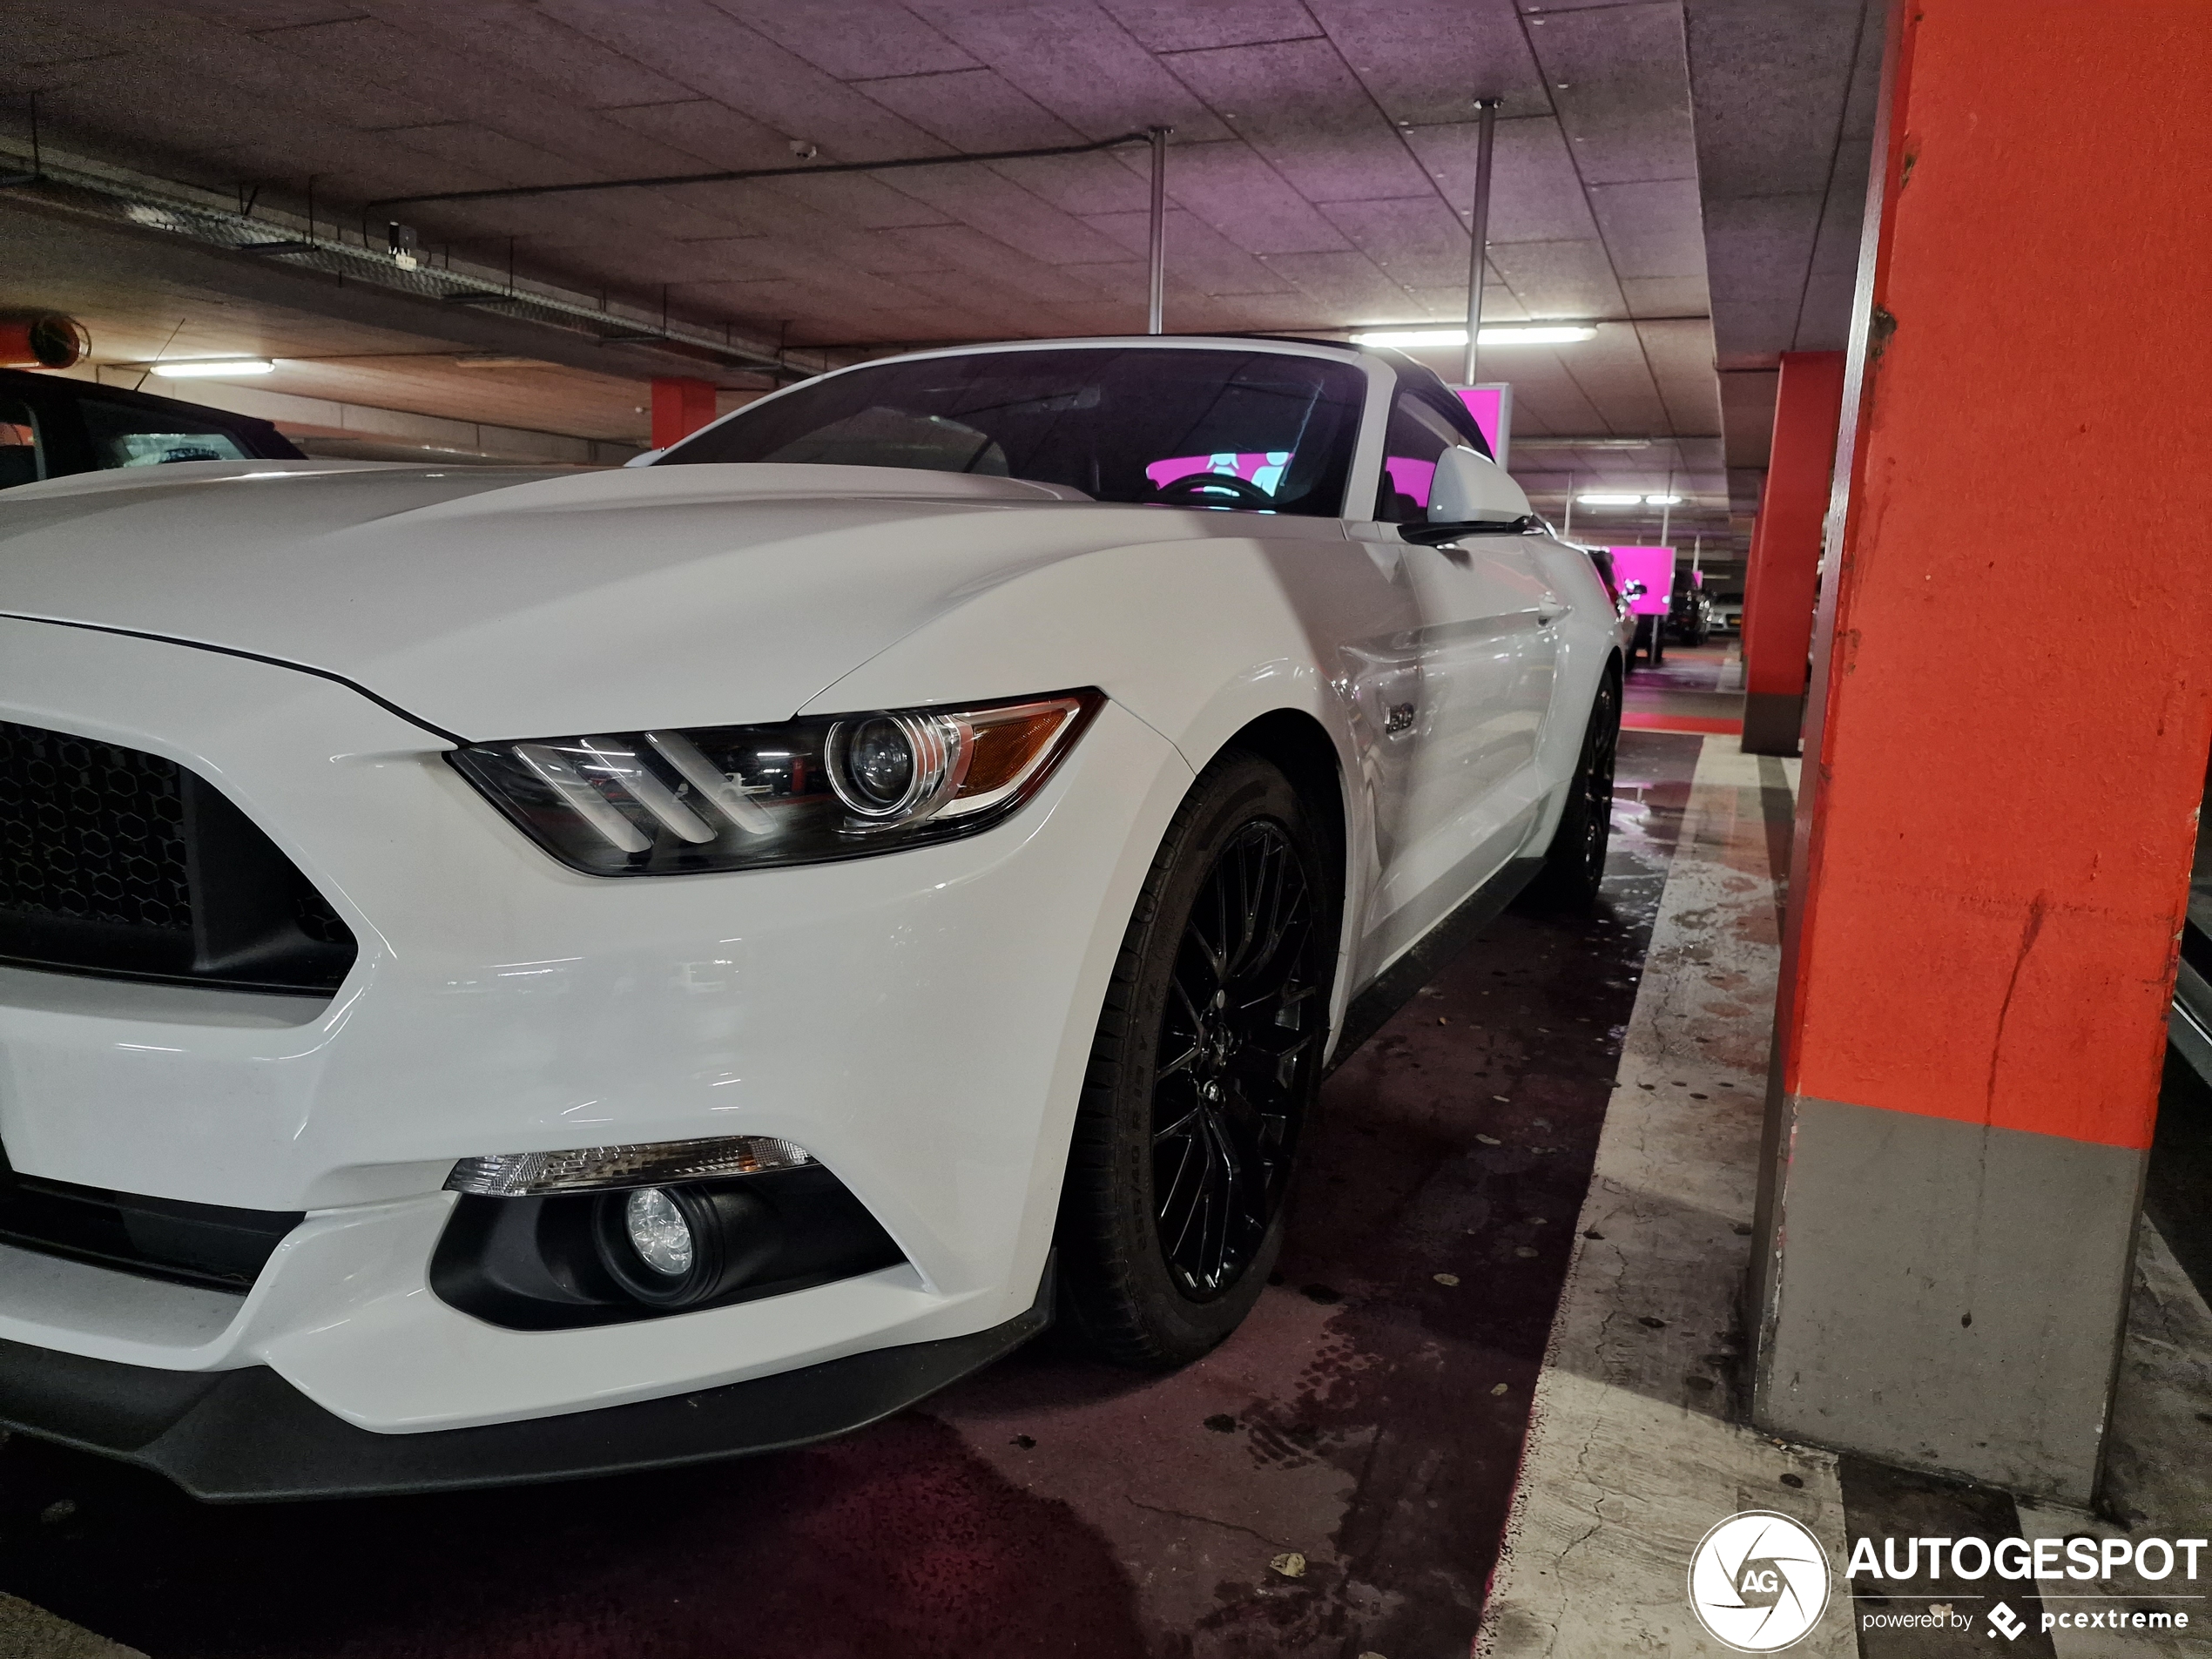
[
  {"x": 1500, "y": 334},
  {"x": 196, "y": 368},
  {"x": 1663, "y": 500},
  {"x": 1608, "y": 498}
]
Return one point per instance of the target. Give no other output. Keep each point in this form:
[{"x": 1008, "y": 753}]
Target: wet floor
[
  {"x": 1368, "y": 1419},
  {"x": 1703, "y": 682}
]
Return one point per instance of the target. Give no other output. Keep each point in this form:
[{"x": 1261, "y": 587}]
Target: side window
[
  {"x": 123, "y": 436},
  {"x": 1416, "y": 437},
  {"x": 22, "y": 458}
]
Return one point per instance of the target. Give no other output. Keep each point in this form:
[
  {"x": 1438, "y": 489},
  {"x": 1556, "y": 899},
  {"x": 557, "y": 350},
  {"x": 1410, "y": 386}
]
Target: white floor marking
[{"x": 1632, "y": 1454}]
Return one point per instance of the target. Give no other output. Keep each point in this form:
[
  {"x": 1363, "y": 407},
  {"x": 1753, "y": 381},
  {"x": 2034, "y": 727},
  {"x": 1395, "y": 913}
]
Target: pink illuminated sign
[
  {"x": 1654, "y": 567},
  {"x": 1492, "y": 407}
]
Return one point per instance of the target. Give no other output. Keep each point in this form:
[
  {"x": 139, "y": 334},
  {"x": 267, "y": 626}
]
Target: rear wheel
[
  {"x": 1575, "y": 864},
  {"x": 1202, "y": 1075}
]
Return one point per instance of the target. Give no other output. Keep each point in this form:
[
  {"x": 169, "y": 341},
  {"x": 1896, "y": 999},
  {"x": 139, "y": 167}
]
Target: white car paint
[{"x": 920, "y": 1021}]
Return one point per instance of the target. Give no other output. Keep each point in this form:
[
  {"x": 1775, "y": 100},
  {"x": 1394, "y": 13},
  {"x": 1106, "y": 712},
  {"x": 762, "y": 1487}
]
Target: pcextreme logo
[{"x": 1758, "y": 1581}]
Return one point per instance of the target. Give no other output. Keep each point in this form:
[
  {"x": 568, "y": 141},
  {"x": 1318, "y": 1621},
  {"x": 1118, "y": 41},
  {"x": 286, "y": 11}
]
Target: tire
[
  {"x": 1574, "y": 863},
  {"x": 1200, "y": 1082}
]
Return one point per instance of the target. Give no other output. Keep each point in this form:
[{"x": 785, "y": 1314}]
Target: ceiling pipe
[{"x": 506, "y": 192}]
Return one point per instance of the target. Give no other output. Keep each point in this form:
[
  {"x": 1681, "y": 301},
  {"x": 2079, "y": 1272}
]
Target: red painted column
[
  {"x": 1785, "y": 550},
  {"x": 680, "y": 408},
  {"x": 1994, "y": 833}
]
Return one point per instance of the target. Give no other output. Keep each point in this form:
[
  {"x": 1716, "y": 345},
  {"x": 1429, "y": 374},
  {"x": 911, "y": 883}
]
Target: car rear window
[
  {"x": 123, "y": 436},
  {"x": 1121, "y": 424}
]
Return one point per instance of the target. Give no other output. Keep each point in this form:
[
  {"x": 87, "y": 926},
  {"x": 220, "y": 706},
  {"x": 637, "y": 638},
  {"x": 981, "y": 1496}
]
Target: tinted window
[
  {"x": 1212, "y": 428},
  {"x": 21, "y": 460},
  {"x": 122, "y": 436},
  {"x": 1416, "y": 437}
]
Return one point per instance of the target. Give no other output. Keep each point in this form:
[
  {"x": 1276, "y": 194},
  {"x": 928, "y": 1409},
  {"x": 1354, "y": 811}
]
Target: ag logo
[{"x": 1758, "y": 1581}]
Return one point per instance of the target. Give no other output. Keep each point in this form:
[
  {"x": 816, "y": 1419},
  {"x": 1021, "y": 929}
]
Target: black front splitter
[{"x": 248, "y": 1436}]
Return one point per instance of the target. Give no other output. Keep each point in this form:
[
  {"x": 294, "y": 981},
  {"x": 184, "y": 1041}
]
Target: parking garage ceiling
[{"x": 1320, "y": 177}]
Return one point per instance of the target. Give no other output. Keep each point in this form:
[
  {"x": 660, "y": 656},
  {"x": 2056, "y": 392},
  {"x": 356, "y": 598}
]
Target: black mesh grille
[
  {"x": 92, "y": 831},
  {"x": 117, "y": 861}
]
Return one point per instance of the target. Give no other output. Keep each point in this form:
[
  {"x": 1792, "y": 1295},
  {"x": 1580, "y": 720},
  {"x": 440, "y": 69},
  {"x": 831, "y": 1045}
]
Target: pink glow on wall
[{"x": 1654, "y": 567}]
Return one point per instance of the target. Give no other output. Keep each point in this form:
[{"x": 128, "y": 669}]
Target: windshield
[{"x": 1260, "y": 430}]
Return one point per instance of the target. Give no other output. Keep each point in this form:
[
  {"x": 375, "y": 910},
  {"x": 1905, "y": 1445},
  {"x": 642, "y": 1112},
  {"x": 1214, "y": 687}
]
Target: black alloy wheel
[
  {"x": 1234, "y": 1040},
  {"x": 1574, "y": 863},
  {"x": 1207, "y": 1060}
]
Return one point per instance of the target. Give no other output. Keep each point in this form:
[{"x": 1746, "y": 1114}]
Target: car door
[{"x": 1486, "y": 650}]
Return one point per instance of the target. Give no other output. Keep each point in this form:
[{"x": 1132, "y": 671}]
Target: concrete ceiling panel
[
  {"x": 1076, "y": 61},
  {"x": 1771, "y": 82},
  {"x": 718, "y": 136},
  {"x": 1108, "y": 183},
  {"x": 1666, "y": 296},
  {"x": 966, "y": 254},
  {"x": 1652, "y": 229},
  {"x": 1626, "y": 120},
  {"x": 1199, "y": 258},
  {"x": 1417, "y": 239},
  {"x": 1247, "y": 201},
  {"x": 1559, "y": 279},
  {"x": 1178, "y": 26},
  {"x": 1000, "y": 208},
  {"x": 710, "y": 51},
  {"x": 1449, "y": 303},
  {"x": 1680, "y": 356},
  {"x": 1747, "y": 415},
  {"x": 1468, "y": 49},
  {"x": 1758, "y": 249},
  {"x": 854, "y": 40},
  {"x": 1344, "y": 285},
  {"x": 1536, "y": 194},
  {"x": 972, "y": 110},
  {"x": 852, "y": 201},
  {"x": 528, "y": 43},
  {"x": 1300, "y": 107}
]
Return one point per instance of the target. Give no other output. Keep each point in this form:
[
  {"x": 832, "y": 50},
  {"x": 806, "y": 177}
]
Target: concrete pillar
[
  {"x": 1785, "y": 550},
  {"x": 1995, "y": 832},
  {"x": 680, "y": 408}
]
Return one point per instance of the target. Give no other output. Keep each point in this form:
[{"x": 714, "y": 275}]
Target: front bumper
[
  {"x": 247, "y": 1436},
  {"x": 919, "y": 1021}
]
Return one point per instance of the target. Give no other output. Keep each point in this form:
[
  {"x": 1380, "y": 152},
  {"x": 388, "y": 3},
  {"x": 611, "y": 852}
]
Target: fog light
[
  {"x": 659, "y": 1232},
  {"x": 681, "y": 1247}
]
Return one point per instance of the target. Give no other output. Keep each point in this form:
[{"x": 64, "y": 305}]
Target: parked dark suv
[{"x": 50, "y": 427}]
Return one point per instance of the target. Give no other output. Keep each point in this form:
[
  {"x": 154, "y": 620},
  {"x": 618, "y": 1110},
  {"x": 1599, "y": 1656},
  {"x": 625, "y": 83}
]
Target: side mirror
[{"x": 1470, "y": 495}]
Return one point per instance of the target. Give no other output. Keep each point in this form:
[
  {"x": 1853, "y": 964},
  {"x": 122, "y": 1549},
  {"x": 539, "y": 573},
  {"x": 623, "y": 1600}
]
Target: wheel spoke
[{"x": 1239, "y": 1039}]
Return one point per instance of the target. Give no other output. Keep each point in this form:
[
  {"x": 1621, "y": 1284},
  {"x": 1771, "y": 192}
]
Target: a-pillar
[
  {"x": 680, "y": 408},
  {"x": 1785, "y": 551},
  {"x": 1995, "y": 826}
]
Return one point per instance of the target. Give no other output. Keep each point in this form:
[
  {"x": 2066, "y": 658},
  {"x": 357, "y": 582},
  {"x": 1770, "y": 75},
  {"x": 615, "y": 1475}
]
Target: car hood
[{"x": 499, "y": 602}]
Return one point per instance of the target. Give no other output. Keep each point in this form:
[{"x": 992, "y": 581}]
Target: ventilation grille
[{"x": 117, "y": 861}]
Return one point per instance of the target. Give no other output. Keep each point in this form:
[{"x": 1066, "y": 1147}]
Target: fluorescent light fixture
[
  {"x": 1503, "y": 335},
  {"x": 1608, "y": 498},
  {"x": 1663, "y": 500},
  {"x": 201, "y": 368}
]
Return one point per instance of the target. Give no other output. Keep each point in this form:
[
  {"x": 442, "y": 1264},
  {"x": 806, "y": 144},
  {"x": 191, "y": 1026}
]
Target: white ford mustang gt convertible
[{"x": 512, "y": 974}]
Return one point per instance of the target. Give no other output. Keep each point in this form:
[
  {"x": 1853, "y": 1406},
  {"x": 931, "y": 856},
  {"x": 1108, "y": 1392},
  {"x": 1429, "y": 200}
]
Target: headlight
[{"x": 738, "y": 796}]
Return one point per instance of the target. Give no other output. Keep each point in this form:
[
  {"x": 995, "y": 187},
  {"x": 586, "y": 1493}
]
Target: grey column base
[
  {"x": 1772, "y": 722},
  {"x": 1944, "y": 1296}
]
